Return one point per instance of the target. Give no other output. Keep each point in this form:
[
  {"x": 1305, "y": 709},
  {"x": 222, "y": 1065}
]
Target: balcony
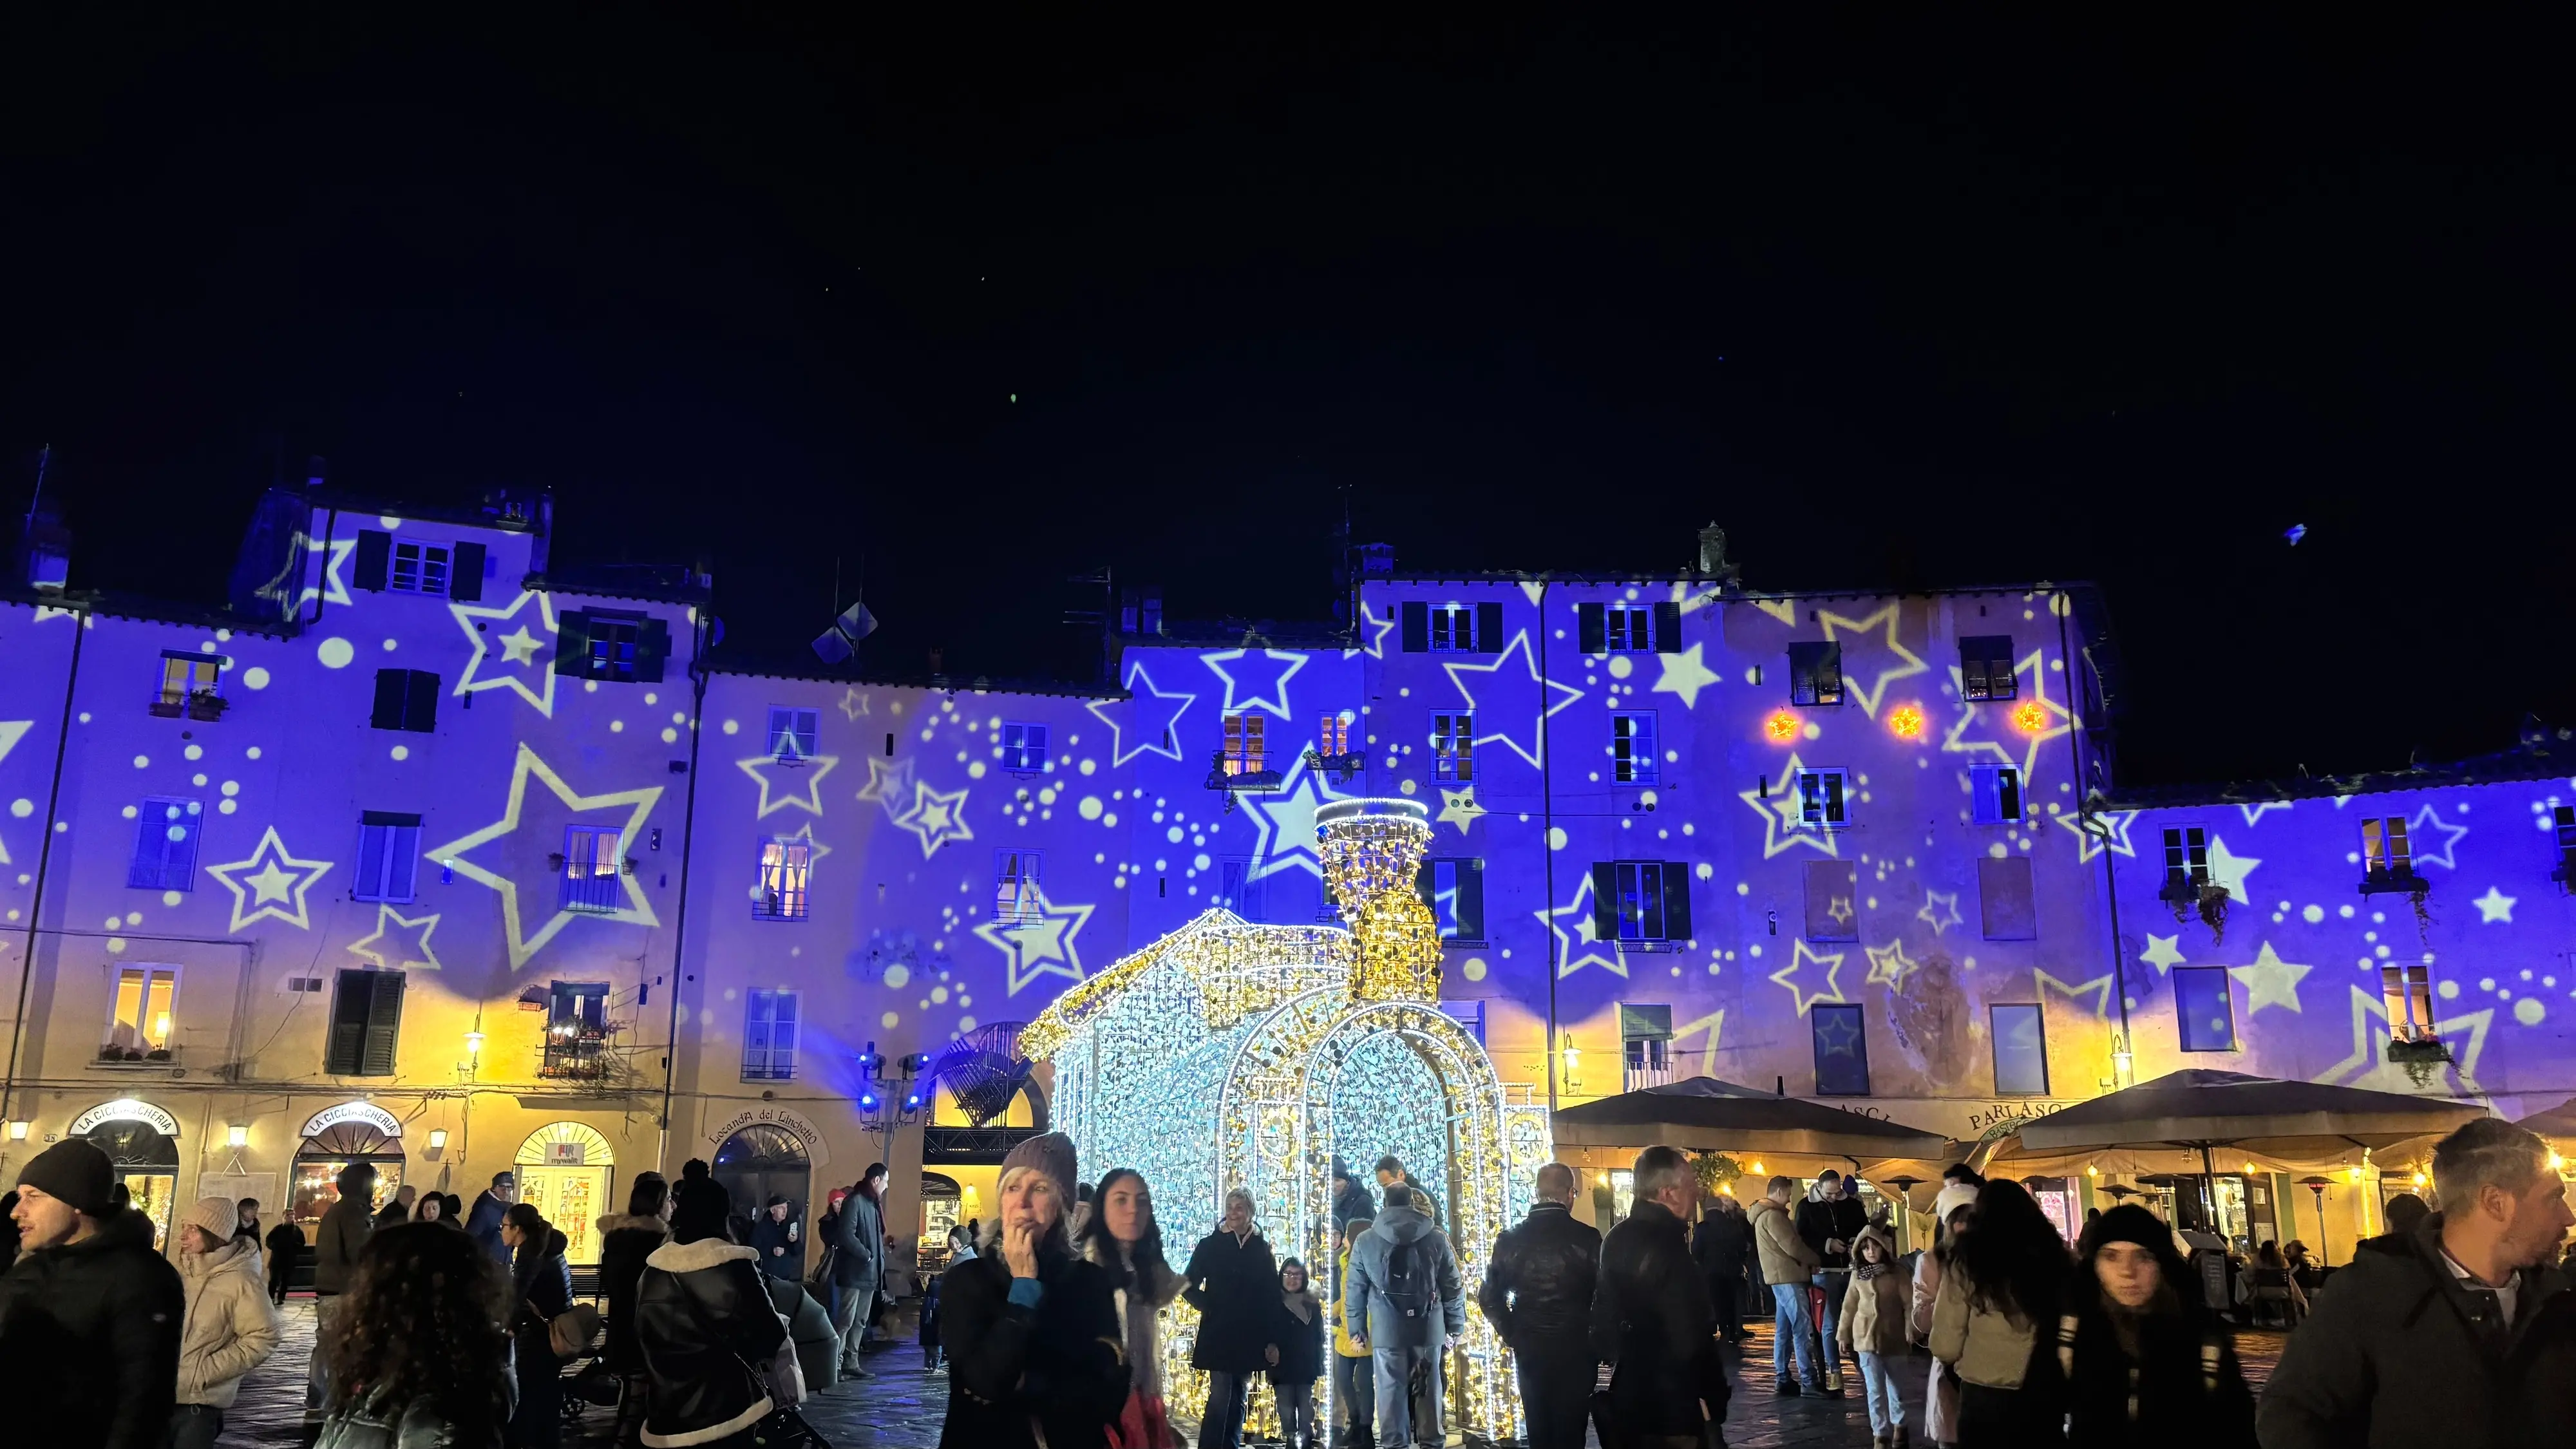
[
  {"x": 1239, "y": 773},
  {"x": 582, "y": 1058},
  {"x": 2184, "y": 886},
  {"x": 1343, "y": 767},
  {"x": 205, "y": 705},
  {"x": 2398, "y": 880},
  {"x": 586, "y": 888}
]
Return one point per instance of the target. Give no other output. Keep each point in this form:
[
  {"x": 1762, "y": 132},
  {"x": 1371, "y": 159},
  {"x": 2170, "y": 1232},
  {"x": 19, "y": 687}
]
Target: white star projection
[
  {"x": 1940, "y": 911},
  {"x": 1279, "y": 665},
  {"x": 2163, "y": 952},
  {"x": 1878, "y": 629},
  {"x": 2270, "y": 981},
  {"x": 1715, "y": 1025},
  {"x": 1993, "y": 727},
  {"x": 1784, "y": 825},
  {"x": 935, "y": 818},
  {"x": 399, "y": 942},
  {"x": 2111, "y": 833},
  {"x": 520, "y": 647},
  {"x": 1889, "y": 965},
  {"x": 12, "y": 731},
  {"x": 2099, "y": 988},
  {"x": 2493, "y": 907},
  {"x": 800, "y": 786},
  {"x": 1508, "y": 737},
  {"x": 1580, "y": 947},
  {"x": 1041, "y": 947},
  {"x": 1796, "y": 979},
  {"x": 2229, "y": 869},
  {"x": 1457, "y": 807},
  {"x": 1286, "y": 823},
  {"x": 2420, "y": 832},
  {"x": 889, "y": 785},
  {"x": 1374, "y": 630},
  {"x": 1683, "y": 674},
  {"x": 2256, "y": 810},
  {"x": 1148, "y": 717},
  {"x": 2368, "y": 1064},
  {"x": 853, "y": 704},
  {"x": 637, "y": 805},
  {"x": 271, "y": 884}
]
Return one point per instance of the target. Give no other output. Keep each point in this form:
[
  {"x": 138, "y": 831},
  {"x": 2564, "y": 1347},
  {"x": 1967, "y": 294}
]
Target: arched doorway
[
  {"x": 762, "y": 1160},
  {"x": 565, "y": 1172},
  {"x": 942, "y": 1204},
  {"x": 334, "y": 1138},
  {"x": 143, "y": 1142}
]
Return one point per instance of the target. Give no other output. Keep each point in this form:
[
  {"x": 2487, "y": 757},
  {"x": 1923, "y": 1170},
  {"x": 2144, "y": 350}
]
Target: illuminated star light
[
  {"x": 809, "y": 769},
  {"x": 2099, "y": 988},
  {"x": 1457, "y": 807},
  {"x": 275, "y": 881},
  {"x": 1840, "y": 908},
  {"x": 2494, "y": 906},
  {"x": 1940, "y": 910},
  {"x": 1781, "y": 816},
  {"x": 2270, "y": 981},
  {"x": 1580, "y": 947},
  {"x": 1246, "y": 662},
  {"x": 1685, "y": 675},
  {"x": 1889, "y": 965},
  {"x": 519, "y": 649},
  {"x": 404, "y": 942},
  {"x": 1153, "y": 720},
  {"x": 1794, "y": 974},
  {"x": 2368, "y": 1064},
  {"x": 1375, "y": 630},
  {"x": 1880, "y": 628},
  {"x": 2163, "y": 952},
  {"x": 2031, "y": 685},
  {"x": 1040, "y": 947},
  {"x": 853, "y": 703},
  {"x": 2114, "y": 836},
  {"x": 11, "y": 731},
  {"x": 1535, "y": 750},
  {"x": 638, "y": 804},
  {"x": 935, "y": 819},
  {"x": 2426, "y": 824},
  {"x": 1285, "y": 821},
  {"x": 889, "y": 784}
]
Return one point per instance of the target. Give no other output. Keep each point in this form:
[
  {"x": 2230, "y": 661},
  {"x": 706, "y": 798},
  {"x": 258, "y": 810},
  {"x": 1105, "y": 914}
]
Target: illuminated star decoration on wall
[
  {"x": 2420, "y": 832},
  {"x": 1840, "y": 908},
  {"x": 2110, "y": 832},
  {"x": 1488, "y": 718},
  {"x": 2229, "y": 869},
  {"x": 801, "y": 786},
  {"x": 1374, "y": 630},
  {"x": 1714, "y": 1024},
  {"x": 1683, "y": 674},
  {"x": 1889, "y": 965},
  {"x": 934, "y": 818},
  {"x": 1286, "y": 822},
  {"x": 14, "y": 730},
  {"x": 1581, "y": 946},
  {"x": 1278, "y": 665},
  {"x": 1040, "y": 947},
  {"x": 2163, "y": 952},
  {"x": 2099, "y": 988},
  {"x": 1151, "y": 719},
  {"x": 271, "y": 884},
  {"x": 889, "y": 784},
  {"x": 1783, "y": 823},
  {"x": 1457, "y": 807},
  {"x": 399, "y": 943},
  {"x": 2493, "y": 907},
  {"x": 1940, "y": 910},
  {"x": 1878, "y": 629},
  {"x": 636, "y": 806},
  {"x": 1797, "y": 979},
  {"x": 1986, "y": 727},
  {"x": 2270, "y": 981},
  {"x": 523, "y": 634},
  {"x": 2368, "y": 1064},
  {"x": 853, "y": 703}
]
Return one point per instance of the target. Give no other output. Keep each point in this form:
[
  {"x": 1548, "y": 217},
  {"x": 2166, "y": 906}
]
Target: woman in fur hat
[
  {"x": 1123, "y": 1238},
  {"x": 1035, "y": 1352}
]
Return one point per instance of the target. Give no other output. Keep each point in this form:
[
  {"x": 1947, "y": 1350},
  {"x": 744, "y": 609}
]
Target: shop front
[
  {"x": 566, "y": 1173},
  {"x": 335, "y": 1138},
  {"x": 143, "y": 1142},
  {"x": 770, "y": 1152}
]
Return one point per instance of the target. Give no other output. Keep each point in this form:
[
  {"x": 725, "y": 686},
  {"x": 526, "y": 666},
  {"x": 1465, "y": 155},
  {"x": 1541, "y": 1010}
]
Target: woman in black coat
[
  {"x": 542, "y": 1286},
  {"x": 2145, "y": 1362},
  {"x": 1234, "y": 1284},
  {"x": 1031, "y": 1329},
  {"x": 1299, "y": 1335},
  {"x": 704, "y": 1322},
  {"x": 625, "y": 1241}
]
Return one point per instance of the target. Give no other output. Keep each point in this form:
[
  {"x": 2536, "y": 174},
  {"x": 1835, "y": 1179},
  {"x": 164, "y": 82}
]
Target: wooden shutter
[
  {"x": 2003, "y": 889},
  {"x": 1605, "y": 901},
  {"x": 1489, "y": 628},
  {"x": 1417, "y": 628},
  {"x": 572, "y": 643},
  {"x": 465, "y": 572},
  {"x": 1471, "y": 900},
  {"x": 1591, "y": 629},
  {"x": 1668, "y": 628},
  {"x": 346, "y": 1051},
  {"x": 1677, "y": 916},
  {"x": 652, "y": 646},
  {"x": 420, "y": 702},
  {"x": 384, "y": 1024},
  {"x": 151, "y": 848},
  {"x": 374, "y": 559},
  {"x": 391, "y": 686}
]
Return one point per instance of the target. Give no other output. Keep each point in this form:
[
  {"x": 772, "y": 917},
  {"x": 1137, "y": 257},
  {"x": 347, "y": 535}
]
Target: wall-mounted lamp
[
  {"x": 1757, "y": 1169},
  {"x": 237, "y": 1136},
  {"x": 18, "y": 1131},
  {"x": 473, "y": 1043},
  {"x": 2354, "y": 1174},
  {"x": 438, "y": 1139}
]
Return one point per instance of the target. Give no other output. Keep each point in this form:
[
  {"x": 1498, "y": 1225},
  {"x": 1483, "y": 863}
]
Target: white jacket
[{"x": 230, "y": 1328}]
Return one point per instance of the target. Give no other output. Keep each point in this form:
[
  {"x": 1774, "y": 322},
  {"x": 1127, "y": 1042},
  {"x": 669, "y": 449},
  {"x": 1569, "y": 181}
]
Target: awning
[
  {"x": 2206, "y": 1109},
  {"x": 1703, "y": 1114}
]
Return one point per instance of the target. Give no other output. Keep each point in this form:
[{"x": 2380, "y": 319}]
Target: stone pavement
[{"x": 901, "y": 1407}]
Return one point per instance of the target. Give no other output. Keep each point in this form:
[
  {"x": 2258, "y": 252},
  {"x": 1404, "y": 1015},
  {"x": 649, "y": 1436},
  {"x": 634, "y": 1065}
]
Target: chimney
[
  {"x": 1712, "y": 563},
  {"x": 314, "y": 471},
  {"x": 1377, "y": 561}
]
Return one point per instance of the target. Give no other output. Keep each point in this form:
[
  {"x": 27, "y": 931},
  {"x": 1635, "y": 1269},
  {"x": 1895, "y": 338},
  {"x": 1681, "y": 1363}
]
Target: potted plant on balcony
[
  {"x": 205, "y": 704},
  {"x": 2421, "y": 1053}
]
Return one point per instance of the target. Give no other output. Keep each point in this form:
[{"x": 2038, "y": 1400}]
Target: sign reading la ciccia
[
  {"x": 125, "y": 1109},
  {"x": 367, "y": 1112}
]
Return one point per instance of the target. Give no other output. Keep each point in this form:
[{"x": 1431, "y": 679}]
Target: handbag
[{"x": 567, "y": 1333}]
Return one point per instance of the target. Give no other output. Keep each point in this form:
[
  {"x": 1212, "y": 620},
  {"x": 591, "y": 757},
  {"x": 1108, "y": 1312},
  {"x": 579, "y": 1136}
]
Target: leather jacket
[
  {"x": 1653, "y": 1320},
  {"x": 418, "y": 1425},
  {"x": 1538, "y": 1290},
  {"x": 703, "y": 1318}
]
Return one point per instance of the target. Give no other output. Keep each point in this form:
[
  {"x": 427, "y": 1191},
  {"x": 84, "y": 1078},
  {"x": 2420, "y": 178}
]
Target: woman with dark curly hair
[{"x": 418, "y": 1355}]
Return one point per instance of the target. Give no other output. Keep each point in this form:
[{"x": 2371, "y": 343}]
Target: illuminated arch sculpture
[{"x": 1229, "y": 1054}]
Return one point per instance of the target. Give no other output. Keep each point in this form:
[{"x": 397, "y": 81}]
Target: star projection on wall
[
  {"x": 399, "y": 942},
  {"x": 853, "y": 704},
  {"x": 2163, "y": 952},
  {"x": 799, "y": 784},
  {"x": 1147, "y": 722},
  {"x": 1895, "y": 661},
  {"x": 1800, "y": 974},
  {"x": 1889, "y": 965},
  {"x": 1285, "y": 823},
  {"x": 2256, "y": 810},
  {"x": 2110, "y": 832},
  {"x": 1374, "y": 630},
  {"x": 1683, "y": 674},
  {"x": 633, "y": 805},
  {"x": 1043, "y": 946},
  {"x": 11, "y": 731},
  {"x": 1256, "y": 680},
  {"x": 1990, "y": 728},
  {"x": 1715, "y": 1025},
  {"x": 1501, "y": 684},
  {"x": 2493, "y": 907},
  {"x": 1581, "y": 946},
  {"x": 271, "y": 884},
  {"x": 526, "y": 638},
  {"x": 2229, "y": 869},
  {"x": 889, "y": 785},
  {"x": 2420, "y": 832},
  {"x": 1457, "y": 807},
  {"x": 2368, "y": 1065},
  {"x": 935, "y": 818},
  {"x": 2099, "y": 988},
  {"x": 1940, "y": 911},
  {"x": 1783, "y": 825},
  {"x": 2270, "y": 981}
]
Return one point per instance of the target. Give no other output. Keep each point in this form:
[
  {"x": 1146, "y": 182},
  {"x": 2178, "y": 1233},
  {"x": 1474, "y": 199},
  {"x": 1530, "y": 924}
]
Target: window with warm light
[
  {"x": 1816, "y": 673},
  {"x": 140, "y": 1023},
  {"x": 1986, "y": 667},
  {"x": 2407, "y": 992},
  {"x": 576, "y": 1031},
  {"x": 1453, "y": 746},
  {"x": 1245, "y": 753},
  {"x": 1632, "y": 748},
  {"x": 185, "y": 677},
  {"x": 1333, "y": 734},
  {"x": 2383, "y": 848},
  {"x": 1017, "y": 896},
  {"x": 591, "y": 868},
  {"x": 786, "y": 869}
]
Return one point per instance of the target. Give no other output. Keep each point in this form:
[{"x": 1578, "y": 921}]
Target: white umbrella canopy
[
  {"x": 1703, "y": 1114},
  {"x": 2297, "y": 1121}
]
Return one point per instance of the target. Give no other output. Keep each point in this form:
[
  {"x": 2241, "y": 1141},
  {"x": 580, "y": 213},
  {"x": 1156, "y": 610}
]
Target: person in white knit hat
[
  {"x": 1952, "y": 1211},
  {"x": 230, "y": 1327}
]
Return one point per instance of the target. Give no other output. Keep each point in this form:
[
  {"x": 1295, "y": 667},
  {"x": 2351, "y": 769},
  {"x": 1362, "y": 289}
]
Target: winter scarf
[
  {"x": 1301, "y": 1304},
  {"x": 1866, "y": 1271},
  {"x": 1151, "y": 1289}
]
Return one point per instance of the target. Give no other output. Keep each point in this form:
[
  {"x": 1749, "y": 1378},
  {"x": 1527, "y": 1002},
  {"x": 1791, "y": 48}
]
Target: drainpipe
[
  {"x": 2110, "y": 863},
  {"x": 1547, "y": 835},
  {"x": 44, "y": 859},
  {"x": 680, "y": 920}
]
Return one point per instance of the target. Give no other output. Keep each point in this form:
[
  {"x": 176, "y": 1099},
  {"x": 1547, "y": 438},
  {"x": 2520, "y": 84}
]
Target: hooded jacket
[
  {"x": 228, "y": 1327},
  {"x": 625, "y": 1242},
  {"x": 1875, "y": 1309},
  {"x": 1030, "y": 1356},
  {"x": 1785, "y": 1256},
  {"x": 338, "y": 1241},
  {"x": 1538, "y": 1289},
  {"x": 702, "y": 1318},
  {"x": 1234, "y": 1284},
  {"x": 89, "y": 1340},
  {"x": 1653, "y": 1320},
  {"x": 1343, "y": 1344},
  {"x": 1369, "y": 1312},
  {"x": 1151, "y": 1288}
]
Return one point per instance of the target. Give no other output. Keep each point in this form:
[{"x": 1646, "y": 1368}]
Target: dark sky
[{"x": 1926, "y": 299}]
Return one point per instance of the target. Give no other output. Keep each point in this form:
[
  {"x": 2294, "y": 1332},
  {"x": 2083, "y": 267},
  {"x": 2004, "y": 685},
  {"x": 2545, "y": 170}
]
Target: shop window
[
  {"x": 143, "y": 1016},
  {"x": 769, "y": 1036},
  {"x": 366, "y": 1024},
  {"x": 2021, "y": 1051},
  {"x": 1842, "y": 1050}
]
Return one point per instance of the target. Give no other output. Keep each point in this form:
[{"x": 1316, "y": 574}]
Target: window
[
  {"x": 1821, "y": 797},
  {"x": 1640, "y": 903},
  {"x": 1994, "y": 794},
  {"x": 794, "y": 734},
  {"x": 1842, "y": 1050},
  {"x": 1333, "y": 735},
  {"x": 2204, "y": 1008},
  {"x": 769, "y": 1036},
  {"x": 188, "y": 685},
  {"x": 406, "y": 699},
  {"x": 1024, "y": 746},
  {"x": 1646, "y": 1043},
  {"x": 1453, "y": 746},
  {"x": 366, "y": 1022},
  {"x": 1833, "y": 898},
  {"x": 1628, "y": 628},
  {"x": 2004, "y": 893},
  {"x": 1239, "y": 891},
  {"x": 2021, "y": 1051},
  {"x": 1016, "y": 893},
  {"x": 1451, "y": 628},
  {"x": 1632, "y": 748},
  {"x": 2565, "y": 818},
  {"x": 576, "y": 1032},
  {"x": 786, "y": 868},
  {"x": 388, "y": 856},
  {"x": 2186, "y": 861},
  {"x": 1243, "y": 746},
  {"x": 419, "y": 568},
  {"x": 2383, "y": 847},
  {"x": 591, "y": 869},
  {"x": 165, "y": 845},
  {"x": 1816, "y": 673},
  {"x": 140, "y": 1021},
  {"x": 617, "y": 648},
  {"x": 1986, "y": 667},
  {"x": 1454, "y": 889},
  {"x": 2408, "y": 993}
]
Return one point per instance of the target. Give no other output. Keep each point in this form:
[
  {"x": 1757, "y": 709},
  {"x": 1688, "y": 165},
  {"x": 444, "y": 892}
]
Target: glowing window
[
  {"x": 140, "y": 1022},
  {"x": 1986, "y": 667},
  {"x": 1994, "y": 794},
  {"x": 1453, "y": 629},
  {"x": 1333, "y": 734},
  {"x": 1816, "y": 673},
  {"x": 2186, "y": 857},
  {"x": 2407, "y": 992},
  {"x": 1632, "y": 748},
  {"x": 786, "y": 870},
  {"x": 1822, "y": 798},
  {"x": 2204, "y": 1008},
  {"x": 2383, "y": 847},
  {"x": 794, "y": 734},
  {"x": 591, "y": 869},
  {"x": 1024, "y": 746},
  {"x": 1017, "y": 896},
  {"x": 165, "y": 845},
  {"x": 418, "y": 568},
  {"x": 186, "y": 676},
  {"x": 1243, "y": 744},
  {"x": 388, "y": 856},
  {"x": 1842, "y": 1050},
  {"x": 769, "y": 1036},
  {"x": 1453, "y": 746},
  {"x": 2021, "y": 1051},
  {"x": 1454, "y": 889}
]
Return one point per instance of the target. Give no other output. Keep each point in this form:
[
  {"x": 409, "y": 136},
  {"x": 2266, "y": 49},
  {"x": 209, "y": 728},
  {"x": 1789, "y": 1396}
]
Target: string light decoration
[
  {"x": 1781, "y": 727},
  {"x": 2031, "y": 716},
  {"x": 1231, "y": 1054},
  {"x": 1905, "y": 721}
]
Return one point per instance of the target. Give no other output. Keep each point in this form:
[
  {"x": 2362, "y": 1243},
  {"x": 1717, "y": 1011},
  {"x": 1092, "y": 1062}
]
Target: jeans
[
  {"x": 1404, "y": 1416},
  {"x": 1878, "y": 1385},
  {"x": 1296, "y": 1412},
  {"x": 1556, "y": 1392},
  {"x": 317, "y": 1373},
  {"x": 1834, "y": 1285},
  {"x": 1355, "y": 1387},
  {"x": 1221, "y": 1424},
  {"x": 1790, "y": 1326},
  {"x": 194, "y": 1426}
]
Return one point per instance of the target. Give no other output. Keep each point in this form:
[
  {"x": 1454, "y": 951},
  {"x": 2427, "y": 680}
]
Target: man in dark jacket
[
  {"x": 1651, "y": 1316},
  {"x": 483, "y": 1224},
  {"x": 1722, "y": 1244},
  {"x": 775, "y": 1236},
  {"x": 1350, "y": 1199},
  {"x": 1538, "y": 1296},
  {"x": 337, "y": 1243},
  {"x": 89, "y": 1315},
  {"x": 2458, "y": 1334},
  {"x": 703, "y": 1319},
  {"x": 285, "y": 1245},
  {"x": 1830, "y": 1220},
  {"x": 858, "y": 1265}
]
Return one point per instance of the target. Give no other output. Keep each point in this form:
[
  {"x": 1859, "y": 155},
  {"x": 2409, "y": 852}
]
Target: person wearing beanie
[
  {"x": 229, "y": 1327},
  {"x": 858, "y": 1265},
  {"x": 2145, "y": 1362},
  {"x": 1952, "y": 1210},
  {"x": 484, "y": 1223},
  {"x": 1030, "y": 1326},
  {"x": 337, "y": 1242},
  {"x": 89, "y": 1313}
]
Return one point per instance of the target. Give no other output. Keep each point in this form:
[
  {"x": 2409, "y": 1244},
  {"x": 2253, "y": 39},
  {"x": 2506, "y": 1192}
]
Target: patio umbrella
[
  {"x": 1703, "y": 1114},
  {"x": 2558, "y": 1121}
]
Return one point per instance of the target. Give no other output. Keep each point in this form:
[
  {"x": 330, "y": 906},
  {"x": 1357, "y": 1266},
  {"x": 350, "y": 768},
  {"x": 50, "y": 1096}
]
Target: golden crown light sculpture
[{"x": 1372, "y": 851}]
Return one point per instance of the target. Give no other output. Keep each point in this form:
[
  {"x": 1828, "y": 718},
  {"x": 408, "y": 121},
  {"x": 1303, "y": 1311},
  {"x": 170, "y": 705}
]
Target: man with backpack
[{"x": 1406, "y": 1304}]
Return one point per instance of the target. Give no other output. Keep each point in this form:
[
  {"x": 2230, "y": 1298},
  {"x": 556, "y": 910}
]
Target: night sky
[{"x": 1930, "y": 300}]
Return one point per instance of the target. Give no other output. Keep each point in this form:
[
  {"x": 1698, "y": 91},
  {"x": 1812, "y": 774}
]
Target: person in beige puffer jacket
[
  {"x": 1787, "y": 1263},
  {"x": 1873, "y": 1323},
  {"x": 230, "y": 1327}
]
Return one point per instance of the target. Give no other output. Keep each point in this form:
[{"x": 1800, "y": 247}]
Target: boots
[
  {"x": 1833, "y": 1379},
  {"x": 1901, "y": 1439},
  {"x": 1786, "y": 1388}
]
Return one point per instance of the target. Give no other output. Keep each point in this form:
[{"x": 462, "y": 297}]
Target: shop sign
[
  {"x": 367, "y": 1112},
  {"x": 2002, "y": 1119},
  {"x": 794, "y": 1122},
  {"x": 567, "y": 1154},
  {"x": 125, "y": 1109}
]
